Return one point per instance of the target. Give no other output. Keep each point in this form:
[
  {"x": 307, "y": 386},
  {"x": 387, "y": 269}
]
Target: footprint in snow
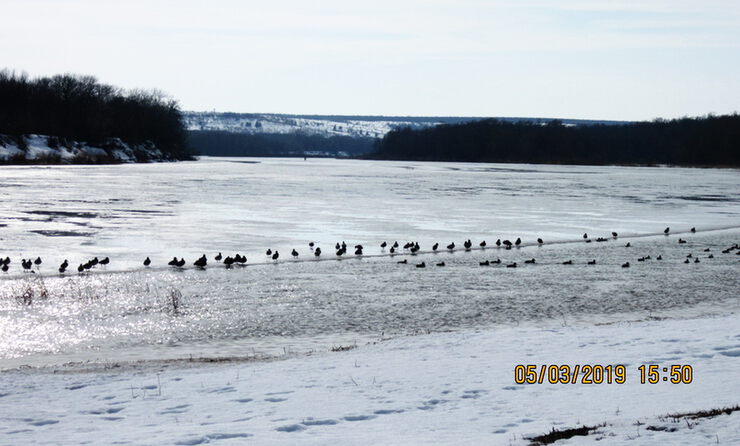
[
  {"x": 207, "y": 438},
  {"x": 290, "y": 428},
  {"x": 388, "y": 411},
  {"x": 312, "y": 422},
  {"x": 359, "y": 417},
  {"x": 42, "y": 422}
]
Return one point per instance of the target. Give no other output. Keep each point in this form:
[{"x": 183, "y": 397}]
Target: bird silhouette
[
  {"x": 435, "y": 246},
  {"x": 441, "y": 264},
  {"x": 486, "y": 263},
  {"x": 294, "y": 253},
  {"x": 511, "y": 265},
  {"x": 530, "y": 261},
  {"x": 498, "y": 242},
  {"x": 482, "y": 244},
  {"x": 105, "y": 261},
  {"x": 317, "y": 252},
  {"x": 421, "y": 265},
  {"x": 568, "y": 262},
  {"x": 451, "y": 246},
  {"x": 614, "y": 234},
  {"x": 310, "y": 244},
  {"x": 592, "y": 262},
  {"x": 201, "y": 262},
  {"x": 585, "y": 236},
  {"x": 268, "y": 252},
  {"x": 518, "y": 241},
  {"x": 218, "y": 257},
  {"x": 467, "y": 244},
  {"x": 172, "y": 262},
  {"x": 5, "y": 267},
  {"x": 403, "y": 262},
  {"x": 275, "y": 256},
  {"x": 539, "y": 241},
  {"x": 666, "y": 231},
  {"x": 693, "y": 230},
  {"x": 383, "y": 245},
  {"x": 626, "y": 265},
  {"x": 147, "y": 261},
  {"x": 228, "y": 261}
]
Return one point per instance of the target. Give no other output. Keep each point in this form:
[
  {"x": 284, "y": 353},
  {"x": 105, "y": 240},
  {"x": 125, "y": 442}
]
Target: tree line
[
  {"x": 702, "y": 141},
  {"x": 77, "y": 107},
  {"x": 222, "y": 143}
]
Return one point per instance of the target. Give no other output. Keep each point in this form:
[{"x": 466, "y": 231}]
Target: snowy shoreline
[{"x": 445, "y": 388}]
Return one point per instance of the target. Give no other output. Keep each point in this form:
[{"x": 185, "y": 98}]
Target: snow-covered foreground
[{"x": 445, "y": 388}]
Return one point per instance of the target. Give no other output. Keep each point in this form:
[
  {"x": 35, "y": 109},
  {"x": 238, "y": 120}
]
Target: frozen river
[{"x": 129, "y": 212}]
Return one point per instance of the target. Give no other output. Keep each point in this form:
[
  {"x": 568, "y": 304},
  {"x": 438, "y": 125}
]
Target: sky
[{"x": 589, "y": 59}]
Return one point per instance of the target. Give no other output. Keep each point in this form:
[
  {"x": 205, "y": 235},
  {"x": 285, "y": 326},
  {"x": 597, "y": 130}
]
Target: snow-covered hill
[{"x": 339, "y": 125}]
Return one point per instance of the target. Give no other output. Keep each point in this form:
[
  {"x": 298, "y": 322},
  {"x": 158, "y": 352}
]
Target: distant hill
[
  {"x": 336, "y": 125},
  {"x": 269, "y": 134}
]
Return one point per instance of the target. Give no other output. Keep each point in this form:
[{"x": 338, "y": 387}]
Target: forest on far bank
[
  {"x": 79, "y": 108},
  {"x": 701, "y": 141}
]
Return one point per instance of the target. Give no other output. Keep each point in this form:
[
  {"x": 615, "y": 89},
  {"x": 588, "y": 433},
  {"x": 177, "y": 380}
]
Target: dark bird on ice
[
  {"x": 441, "y": 264},
  {"x": 451, "y": 246},
  {"x": 147, "y": 261},
  {"x": 383, "y": 245},
  {"x": 592, "y": 262},
  {"x": 511, "y": 265},
  {"x": 105, "y": 261},
  {"x": 294, "y": 253},
  {"x": 218, "y": 257},
  {"x": 435, "y": 246},
  {"x": 539, "y": 241},
  {"x": 486, "y": 263},
  {"x": 568, "y": 262},
  {"x": 626, "y": 265},
  {"x": 403, "y": 262},
  {"x": 275, "y": 256},
  {"x": 666, "y": 230},
  {"x": 268, "y": 252},
  {"x": 693, "y": 230},
  {"x": 201, "y": 262},
  {"x": 614, "y": 234},
  {"x": 421, "y": 265},
  {"x": 530, "y": 261},
  {"x": 518, "y": 241},
  {"x": 482, "y": 244},
  {"x": 317, "y": 252}
]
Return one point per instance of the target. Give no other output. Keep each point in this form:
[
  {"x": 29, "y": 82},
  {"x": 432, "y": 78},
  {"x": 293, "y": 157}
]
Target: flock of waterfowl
[{"x": 412, "y": 248}]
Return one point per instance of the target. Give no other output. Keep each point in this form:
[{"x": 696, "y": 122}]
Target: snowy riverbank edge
[
  {"x": 446, "y": 388},
  {"x": 45, "y": 149}
]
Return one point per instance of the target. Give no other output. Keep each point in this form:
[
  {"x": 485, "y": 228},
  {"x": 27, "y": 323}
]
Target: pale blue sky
[{"x": 594, "y": 59}]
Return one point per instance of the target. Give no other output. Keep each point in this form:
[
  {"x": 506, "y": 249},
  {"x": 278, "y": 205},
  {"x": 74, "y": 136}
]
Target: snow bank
[
  {"x": 44, "y": 148},
  {"x": 448, "y": 388}
]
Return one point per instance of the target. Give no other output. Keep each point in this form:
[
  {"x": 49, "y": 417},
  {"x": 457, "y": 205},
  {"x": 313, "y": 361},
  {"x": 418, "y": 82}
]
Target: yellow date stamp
[{"x": 600, "y": 374}]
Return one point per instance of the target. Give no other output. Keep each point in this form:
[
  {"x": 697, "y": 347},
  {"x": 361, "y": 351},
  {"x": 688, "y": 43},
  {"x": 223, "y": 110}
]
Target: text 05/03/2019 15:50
[{"x": 600, "y": 374}]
